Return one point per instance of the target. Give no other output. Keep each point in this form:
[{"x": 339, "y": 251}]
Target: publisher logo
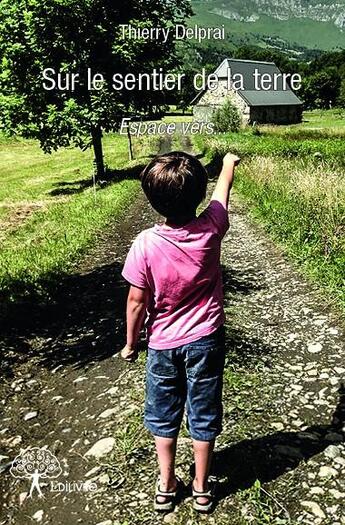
[
  {"x": 35, "y": 464},
  {"x": 38, "y": 464}
]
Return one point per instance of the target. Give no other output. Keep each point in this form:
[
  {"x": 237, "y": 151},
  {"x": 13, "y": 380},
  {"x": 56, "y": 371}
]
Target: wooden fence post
[{"x": 130, "y": 145}]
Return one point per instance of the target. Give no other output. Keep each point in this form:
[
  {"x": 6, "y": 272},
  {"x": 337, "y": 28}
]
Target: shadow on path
[
  {"x": 268, "y": 457},
  {"x": 242, "y": 282},
  {"x": 85, "y": 322},
  {"x": 79, "y": 325}
]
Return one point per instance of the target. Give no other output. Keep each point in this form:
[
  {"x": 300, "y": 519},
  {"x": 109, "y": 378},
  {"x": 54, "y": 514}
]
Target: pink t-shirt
[{"x": 181, "y": 268}]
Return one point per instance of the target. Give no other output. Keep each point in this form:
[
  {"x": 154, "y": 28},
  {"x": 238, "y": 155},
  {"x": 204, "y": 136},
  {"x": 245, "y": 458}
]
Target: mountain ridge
[
  {"x": 311, "y": 24},
  {"x": 283, "y": 10}
]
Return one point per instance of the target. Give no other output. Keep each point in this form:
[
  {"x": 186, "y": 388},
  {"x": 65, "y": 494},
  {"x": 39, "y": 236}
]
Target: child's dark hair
[{"x": 175, "y": 184}]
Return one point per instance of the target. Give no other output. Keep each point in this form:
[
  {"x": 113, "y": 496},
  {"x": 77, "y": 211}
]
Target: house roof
[{"x": 246, "y": 68}]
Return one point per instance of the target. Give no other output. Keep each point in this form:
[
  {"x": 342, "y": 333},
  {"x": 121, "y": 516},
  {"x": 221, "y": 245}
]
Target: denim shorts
[{"x": 192, "y": 376}]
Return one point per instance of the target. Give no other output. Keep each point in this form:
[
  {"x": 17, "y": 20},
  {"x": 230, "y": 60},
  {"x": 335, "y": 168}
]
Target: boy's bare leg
[
  {"x": 203, "y": 452},
  {"x": 166, "y": 452}
]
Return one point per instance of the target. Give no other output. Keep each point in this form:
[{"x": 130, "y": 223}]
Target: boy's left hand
[{"x": 129, "y": 354}]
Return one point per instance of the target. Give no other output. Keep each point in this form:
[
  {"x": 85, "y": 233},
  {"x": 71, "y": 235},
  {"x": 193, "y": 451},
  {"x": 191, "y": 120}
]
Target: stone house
[{"x": 274, "y": 106}]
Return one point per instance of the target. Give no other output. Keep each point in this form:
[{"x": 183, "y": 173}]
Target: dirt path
[{"x": 63, "y": 389}]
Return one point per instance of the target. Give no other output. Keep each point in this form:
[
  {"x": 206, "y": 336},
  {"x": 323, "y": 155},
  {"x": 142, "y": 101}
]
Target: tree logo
[{"x": 35, "y": 464}]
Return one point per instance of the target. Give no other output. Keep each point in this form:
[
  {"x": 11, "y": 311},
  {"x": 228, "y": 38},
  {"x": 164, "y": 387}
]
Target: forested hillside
[{"x": 276, "y": 23}]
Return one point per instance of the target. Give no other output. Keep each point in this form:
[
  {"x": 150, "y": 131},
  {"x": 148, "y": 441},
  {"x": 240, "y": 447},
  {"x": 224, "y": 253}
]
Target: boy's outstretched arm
[
  {"x": 136, "y": 309},
  {"x": 224, "y": 184}
]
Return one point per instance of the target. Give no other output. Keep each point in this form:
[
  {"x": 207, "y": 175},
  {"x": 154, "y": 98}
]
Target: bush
[
  {"x": 341, "y": 98},
  {"x": 227, "y": 118}
]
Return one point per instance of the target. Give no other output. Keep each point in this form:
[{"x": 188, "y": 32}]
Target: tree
[
  {"x": 321, "y": 89},
  {"x": 341, "y": 98},
  {"x": 71, "y": 36},
  {"x": 36, "y": 463},
  {"x": 227, "y": 118},
  {"x": 267, "y": 55}
]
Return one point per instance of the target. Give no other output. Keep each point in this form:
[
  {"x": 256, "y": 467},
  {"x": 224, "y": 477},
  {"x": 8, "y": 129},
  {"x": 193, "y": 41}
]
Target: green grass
[
  {"x": 303, "y": 207},
  {"x": 260, "y": 507},
  {"x": 280, "y": 143},
  {"x": 321, "y": 118},
  {"x": 43, "y": 234},
  {"x": 29, "y": 175},
  {"x": 178, "y": 118},
  {"x": 296, "y": 188}
]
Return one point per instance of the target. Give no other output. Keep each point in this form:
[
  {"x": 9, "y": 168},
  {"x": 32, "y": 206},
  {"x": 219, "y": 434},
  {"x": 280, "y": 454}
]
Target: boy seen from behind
[{"x": 176, "y": 285}]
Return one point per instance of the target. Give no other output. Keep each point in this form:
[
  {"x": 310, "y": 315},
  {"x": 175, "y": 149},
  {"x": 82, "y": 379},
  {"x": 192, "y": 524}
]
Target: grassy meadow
[
  {"x": 293, "y": 179},
  {"x": 50, "y": 212},
  {"x": 323, "y": 119}
]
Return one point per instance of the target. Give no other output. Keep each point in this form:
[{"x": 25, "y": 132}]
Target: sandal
[
  {"x": 203, "y": 507},
  {"x": 170, "y": 497}
]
